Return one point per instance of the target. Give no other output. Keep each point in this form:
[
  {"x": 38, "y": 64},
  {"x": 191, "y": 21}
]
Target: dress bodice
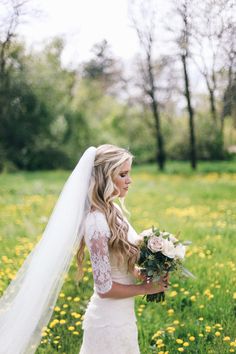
[{"x": 106, "y": 311}]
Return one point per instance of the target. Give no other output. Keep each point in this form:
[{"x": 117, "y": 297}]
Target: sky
[{"x": 82, "y": 23}]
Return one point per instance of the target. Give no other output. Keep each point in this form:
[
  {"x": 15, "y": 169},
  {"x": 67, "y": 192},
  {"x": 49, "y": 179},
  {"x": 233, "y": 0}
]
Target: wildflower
[
  {"x": 181, "y": 349},
  {"x": 173, "y": 293},
  {"x": 71, "y": 328},
  {"x": 159, "y": 341},
  {"x": 185, "y": 344},
  {"x": 76, "y": 299},
  {"x": 179, "y": 341},
  {"x": 217, "y": 334},
  {"x": 226, "y": 339},
  {"x": 170, "y": 312},
  {"x": 76, "y": 333},
  {"x": 192, "y": 338}
]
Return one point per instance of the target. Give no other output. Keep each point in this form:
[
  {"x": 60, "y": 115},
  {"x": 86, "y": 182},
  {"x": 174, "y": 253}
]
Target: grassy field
[{"x": 198, "y": 316}]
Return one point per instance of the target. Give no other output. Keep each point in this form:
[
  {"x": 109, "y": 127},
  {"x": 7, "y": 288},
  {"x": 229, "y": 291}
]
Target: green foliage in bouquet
[{"x": 160, "y": 253}]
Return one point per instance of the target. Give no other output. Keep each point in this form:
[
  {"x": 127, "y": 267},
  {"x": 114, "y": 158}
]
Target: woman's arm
[{"x": 122, "y": 291}]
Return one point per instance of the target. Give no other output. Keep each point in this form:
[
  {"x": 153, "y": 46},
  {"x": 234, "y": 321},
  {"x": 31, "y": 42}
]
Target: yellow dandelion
[
  {"x": 226, "y": 339},
  {"x": 185, "y": 344},
  {"x": 200, "y": 335},
  {"x": 170, "y": 312},
  {"x": 71, "y": 328},
  {"x": 181, "y": 349},
  {"x": 62, "y": 321},
  {"x": 76, "y": 299},
  {"x": 217, "y": 334},
  {"x": 75, "y": 333},
  {"x": 173, "y": 293},
  {"x": 200, "y": 319},
  {"x": 179, "y": 341},
  {"x": 176, "y": 322},
  {"x": 57, "y": 309},
  {"x": 193, "y": 298},
  {"x": 192, "y": 338},
  {"x": 159, "y": 341},
  {"x": 234, "y": 296}
]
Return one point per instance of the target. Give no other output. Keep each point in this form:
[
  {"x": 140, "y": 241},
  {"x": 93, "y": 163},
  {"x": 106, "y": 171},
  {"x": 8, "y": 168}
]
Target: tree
[
  {"x": 103, "y": 68},
  {"x": 143, "y": 17}
]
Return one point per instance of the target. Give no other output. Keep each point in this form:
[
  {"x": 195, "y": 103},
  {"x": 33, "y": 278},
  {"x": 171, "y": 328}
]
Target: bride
[{"x": 85, "y": 214}]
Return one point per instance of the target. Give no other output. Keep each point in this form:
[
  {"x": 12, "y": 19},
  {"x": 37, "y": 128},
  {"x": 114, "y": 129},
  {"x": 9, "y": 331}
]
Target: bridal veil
[{"x": 28, "y": 302}]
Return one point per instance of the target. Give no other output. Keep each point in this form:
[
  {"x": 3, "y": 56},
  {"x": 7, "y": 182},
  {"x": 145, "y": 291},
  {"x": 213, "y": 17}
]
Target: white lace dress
[{"x": 109, "y": 324}]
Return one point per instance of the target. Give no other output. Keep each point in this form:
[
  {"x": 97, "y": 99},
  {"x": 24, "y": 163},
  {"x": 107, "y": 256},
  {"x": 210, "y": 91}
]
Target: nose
[{"x": 129, "y": 180}]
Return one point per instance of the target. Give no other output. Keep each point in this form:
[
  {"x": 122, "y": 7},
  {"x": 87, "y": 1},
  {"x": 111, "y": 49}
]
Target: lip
[{"x": 126, "y": 189}]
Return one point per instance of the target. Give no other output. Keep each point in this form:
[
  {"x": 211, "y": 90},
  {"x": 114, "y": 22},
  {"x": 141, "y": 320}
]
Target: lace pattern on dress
[{"x": 98, "y": 235}]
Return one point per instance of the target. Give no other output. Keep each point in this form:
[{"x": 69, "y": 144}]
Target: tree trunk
[
  {"x": 193, "y": 158},
  {"x": 213, "y": 105},
  {"x": 160, "y": 144},
  {"x": 160, "y": 155}
]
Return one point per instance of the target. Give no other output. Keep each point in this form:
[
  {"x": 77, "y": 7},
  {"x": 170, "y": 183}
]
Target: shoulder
[{"x": 96, "y": 222}]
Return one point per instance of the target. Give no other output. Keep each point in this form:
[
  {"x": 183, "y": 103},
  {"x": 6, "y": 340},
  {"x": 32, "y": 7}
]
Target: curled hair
[{"x": 101, "y": 194}]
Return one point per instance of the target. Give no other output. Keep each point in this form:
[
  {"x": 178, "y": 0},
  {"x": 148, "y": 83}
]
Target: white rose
[
  {"x": 180, "y": 251},
  {"x": 147, "y": 232},
  {"x": 168, "y": 249},
  {"x": 155, "y": 244}
]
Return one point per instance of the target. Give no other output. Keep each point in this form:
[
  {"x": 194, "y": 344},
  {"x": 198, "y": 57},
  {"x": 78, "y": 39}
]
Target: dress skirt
[{"x": 111, "y": 340}]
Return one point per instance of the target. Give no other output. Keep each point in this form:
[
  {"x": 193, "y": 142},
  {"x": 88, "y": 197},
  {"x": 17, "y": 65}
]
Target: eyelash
[{"x": 122, "y": 175}]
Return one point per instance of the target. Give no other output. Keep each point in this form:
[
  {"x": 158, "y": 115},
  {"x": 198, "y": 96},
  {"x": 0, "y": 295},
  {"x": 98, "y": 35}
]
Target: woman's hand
[
  {"x": 138, "y": 275},
  {"x": 155, "y": 287}
]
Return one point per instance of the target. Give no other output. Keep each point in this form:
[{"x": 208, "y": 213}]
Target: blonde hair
[{"x": 102, "y": 192}]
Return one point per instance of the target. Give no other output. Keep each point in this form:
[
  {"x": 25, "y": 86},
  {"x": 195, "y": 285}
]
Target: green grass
[{"x": 201, "y": 205}]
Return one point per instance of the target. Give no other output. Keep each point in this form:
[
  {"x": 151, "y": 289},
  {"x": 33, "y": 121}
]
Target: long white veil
[{"x": 27, "y": 304}]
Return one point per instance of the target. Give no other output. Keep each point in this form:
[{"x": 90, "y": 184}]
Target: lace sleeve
[{"x": 98, "y": 234}]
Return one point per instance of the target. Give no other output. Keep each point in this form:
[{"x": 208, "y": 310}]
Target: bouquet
[{"x": 160, "y": 253}]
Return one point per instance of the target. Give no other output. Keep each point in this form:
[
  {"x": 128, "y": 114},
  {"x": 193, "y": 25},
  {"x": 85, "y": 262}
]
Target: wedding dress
[{"x": 109, "y": 324}]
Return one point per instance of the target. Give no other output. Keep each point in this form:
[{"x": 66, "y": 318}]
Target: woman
[
  {"x": 86, "y": 208},
  {"x": 109, "y": 323}
]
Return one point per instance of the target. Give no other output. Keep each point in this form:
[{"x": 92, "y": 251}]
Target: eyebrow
[{"x": 124, "y": 171}]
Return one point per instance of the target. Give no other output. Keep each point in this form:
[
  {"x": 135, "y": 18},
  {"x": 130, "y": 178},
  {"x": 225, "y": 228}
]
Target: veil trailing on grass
[{"x": 27, "y": 304}]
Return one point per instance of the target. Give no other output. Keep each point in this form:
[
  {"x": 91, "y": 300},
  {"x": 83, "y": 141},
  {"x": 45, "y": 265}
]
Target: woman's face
[{"x": 123, "y": 180}]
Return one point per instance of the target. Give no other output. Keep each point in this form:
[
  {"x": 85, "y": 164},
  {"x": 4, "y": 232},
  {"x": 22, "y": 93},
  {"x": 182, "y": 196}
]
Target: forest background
[{"x": 50, "y": 113}]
